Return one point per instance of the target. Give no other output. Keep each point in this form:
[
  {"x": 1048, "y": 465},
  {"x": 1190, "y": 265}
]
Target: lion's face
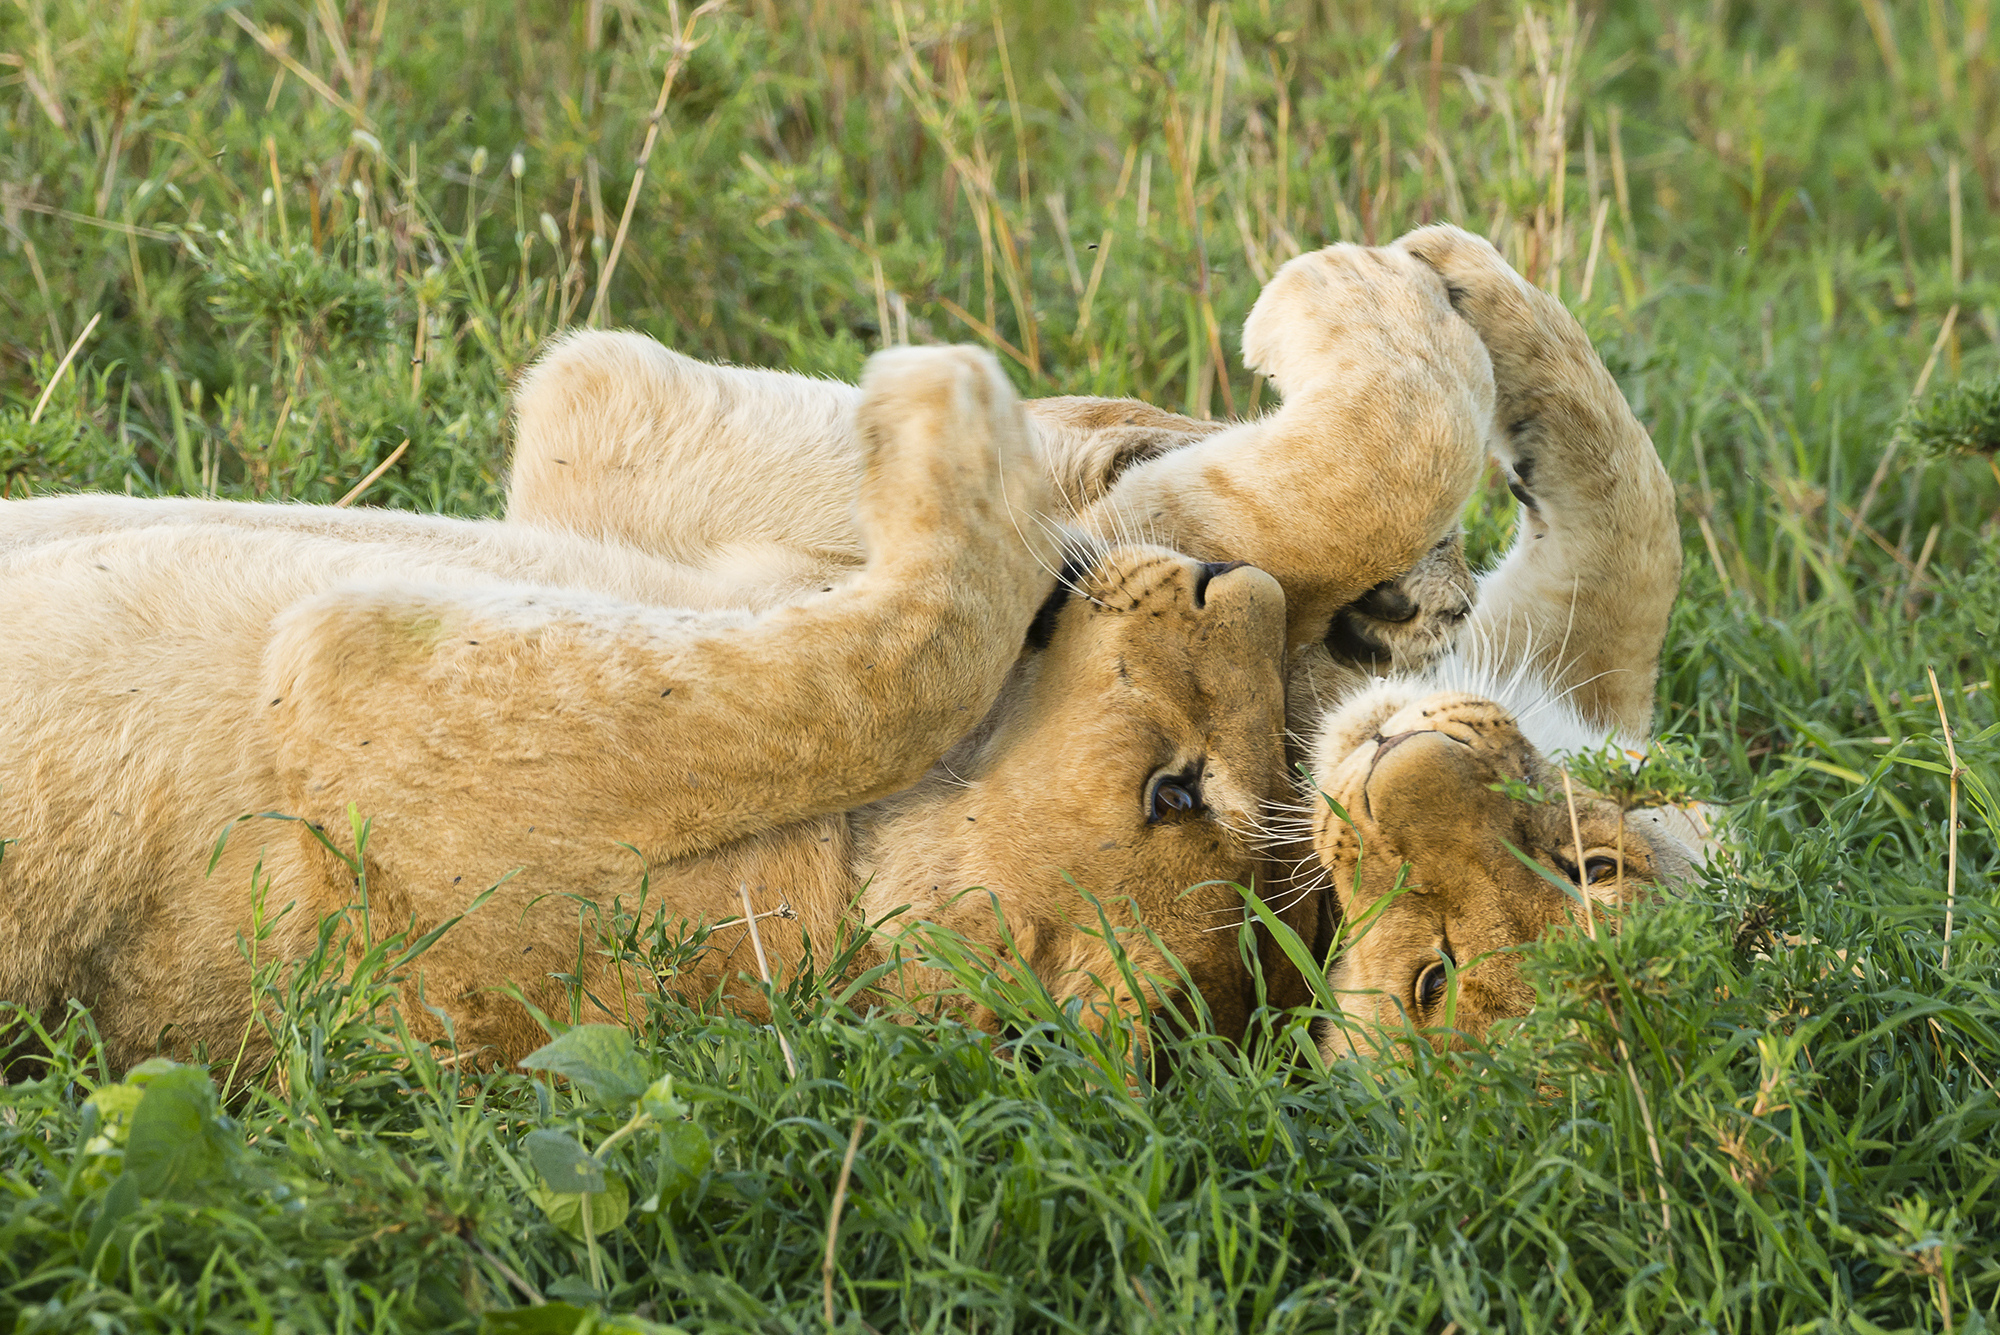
[
  {"x": 1132, "y": 756},
  {"x": 1424, "y": 868}
]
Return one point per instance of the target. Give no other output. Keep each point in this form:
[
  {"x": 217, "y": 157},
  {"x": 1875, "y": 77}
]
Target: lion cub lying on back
[
  {"x": 525, "y": 706},
  {"x": 622, "y": 438}
]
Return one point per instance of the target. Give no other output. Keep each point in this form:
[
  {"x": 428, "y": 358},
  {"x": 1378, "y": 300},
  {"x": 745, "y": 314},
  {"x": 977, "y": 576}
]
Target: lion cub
[
  {"x": 522, "y": 708},
  {"x": 1426, "y": 844}
]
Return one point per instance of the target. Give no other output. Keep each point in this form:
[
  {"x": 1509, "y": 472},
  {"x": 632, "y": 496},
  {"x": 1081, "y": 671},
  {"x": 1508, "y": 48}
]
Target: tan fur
[
  {"x": 1575, "y": 614},
  {"x": 1572, "y": 621},
  {"x": 518, "y": 705},
  {"x": 1358, "y": 474}
]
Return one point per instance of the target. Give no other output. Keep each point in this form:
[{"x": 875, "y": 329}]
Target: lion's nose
[
  {"x": 1208, "y": 571},
  {"x": 1386, "y": 602}
]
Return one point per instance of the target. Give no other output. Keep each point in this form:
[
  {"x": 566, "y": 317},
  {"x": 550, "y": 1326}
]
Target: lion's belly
[{"x": 129, "y": 743}]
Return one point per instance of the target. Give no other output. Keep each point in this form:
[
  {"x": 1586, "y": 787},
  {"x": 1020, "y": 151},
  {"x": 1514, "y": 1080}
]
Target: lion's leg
[
  {"x": 1584, "y": 595},
  {"x": 1364, "y": 469},
  {"x": 620, "y": 438},
  {"x": 677, "y": 731}
]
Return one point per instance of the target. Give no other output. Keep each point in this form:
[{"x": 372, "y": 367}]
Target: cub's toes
[{"x": 1348, "y": 307}]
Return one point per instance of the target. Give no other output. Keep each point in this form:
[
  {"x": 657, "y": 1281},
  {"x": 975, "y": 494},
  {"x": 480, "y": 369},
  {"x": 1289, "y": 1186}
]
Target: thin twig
[
  {"x": 304, "y": 75},
  {"x": 369, "y": 481},
  {"x": 1951, "y": 856},
  {"x": 683, "y": 48},
  {"x": 833, "y": 1219},
  {"x": 62, "y": 366},
  {"x": 764, "y": 972}
]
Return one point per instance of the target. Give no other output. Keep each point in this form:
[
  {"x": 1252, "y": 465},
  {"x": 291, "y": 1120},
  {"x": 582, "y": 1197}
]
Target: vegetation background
[{"x": 251, "y": 248}]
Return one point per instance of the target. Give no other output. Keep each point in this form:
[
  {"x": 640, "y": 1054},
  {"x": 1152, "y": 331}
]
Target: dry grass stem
[
  {"x": 684, "y": 46},
  {"x": 298, "y": 71},
  {"x": 833, "y": 1215},
  {"x": 61, "y": 367},
  {"x": 354, "y": 492},
  {"x": 1951, "y": 826},
  {"x": 764, "y": 972}
]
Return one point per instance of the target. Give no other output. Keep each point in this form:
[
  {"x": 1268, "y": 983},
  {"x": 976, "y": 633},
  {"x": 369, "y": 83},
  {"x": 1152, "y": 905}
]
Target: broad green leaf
[
  {"x": 121, "y": 1200},
  {"x": 608, "y": 1207},
  {"x": 177, "y": 1144},
  {"x": 598, "y": 1058},
  {"x": 685, "y": 1153},
  {"x": 565, "y": 1165},
  {"x": 660, "y": 1103},
  {"x": 548, "y": 1319}
]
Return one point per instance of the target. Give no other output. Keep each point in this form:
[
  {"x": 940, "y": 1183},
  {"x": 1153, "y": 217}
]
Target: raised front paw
[
  {"x": 1408, "y": 623},
  {"x": 1556, "y": 405},
  {"x": 1345, "y": 312},
  {"x": 948, "y": 457}
]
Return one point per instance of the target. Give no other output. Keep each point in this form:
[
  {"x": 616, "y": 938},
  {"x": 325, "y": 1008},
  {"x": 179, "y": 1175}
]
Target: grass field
[{"x": 280, "y": 239}]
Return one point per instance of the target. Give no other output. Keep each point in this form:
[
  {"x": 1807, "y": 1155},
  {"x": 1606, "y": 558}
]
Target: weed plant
[{"x": 250, "y": 250}]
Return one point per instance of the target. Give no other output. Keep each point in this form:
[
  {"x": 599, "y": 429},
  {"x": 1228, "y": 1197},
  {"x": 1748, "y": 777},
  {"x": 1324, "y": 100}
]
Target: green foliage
[
  {"x": 1961, "y": 419},
  {"x": 1768, "y": 1107}
]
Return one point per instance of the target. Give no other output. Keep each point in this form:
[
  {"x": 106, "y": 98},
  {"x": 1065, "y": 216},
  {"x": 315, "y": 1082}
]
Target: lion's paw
[
  {"x": 1406, "y": 624},
  {"x": 1330, "y": 309},
  {"x": 947, "y": 453},
  {"x": 1558, "y": 409}
]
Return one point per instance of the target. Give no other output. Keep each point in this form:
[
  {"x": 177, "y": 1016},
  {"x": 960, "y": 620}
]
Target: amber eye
[
  {"x": 1431, "y": 982},
  {"x": 1174, "y": 795},
  {"x": 1600, "y": 871}
]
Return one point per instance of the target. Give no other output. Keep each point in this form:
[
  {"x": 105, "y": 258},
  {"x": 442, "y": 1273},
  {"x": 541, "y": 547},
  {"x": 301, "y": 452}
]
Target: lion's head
[
  {"x": 1455, "y": 841},
  {"x": 1132, "y": 755}
]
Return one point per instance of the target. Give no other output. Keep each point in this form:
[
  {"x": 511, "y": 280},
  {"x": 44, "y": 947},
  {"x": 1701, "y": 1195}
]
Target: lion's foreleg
[
  {"x": 1365, "y": 467},
  {"x": 678, "y": 731},
  {"x": 1584, "y": 594}
]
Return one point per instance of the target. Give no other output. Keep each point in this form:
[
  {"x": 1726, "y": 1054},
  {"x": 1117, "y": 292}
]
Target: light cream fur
[
  {"x": 1358, "y": 474},
  {"x": 517, "y": 705}
]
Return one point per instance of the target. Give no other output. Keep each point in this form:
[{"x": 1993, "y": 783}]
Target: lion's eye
[
  {"x": 1431, "y": 982},
  {"x": 1600, "y": 871},
  {"x": 1174, "y": 795}
]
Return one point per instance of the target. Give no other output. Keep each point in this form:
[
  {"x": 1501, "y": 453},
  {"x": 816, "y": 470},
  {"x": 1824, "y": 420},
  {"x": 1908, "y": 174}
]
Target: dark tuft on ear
[{"x": 1043, "y": 628}]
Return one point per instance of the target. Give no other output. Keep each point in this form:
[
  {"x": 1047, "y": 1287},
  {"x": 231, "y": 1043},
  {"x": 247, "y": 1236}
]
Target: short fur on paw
[{"x": 1407, "y": 623}]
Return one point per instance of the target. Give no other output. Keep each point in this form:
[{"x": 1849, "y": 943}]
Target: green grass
[{"x": 1795, "y": 200}]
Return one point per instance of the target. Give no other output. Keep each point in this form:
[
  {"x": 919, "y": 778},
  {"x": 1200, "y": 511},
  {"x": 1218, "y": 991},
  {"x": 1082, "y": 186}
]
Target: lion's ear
[{"x": 1682, "y": 837}]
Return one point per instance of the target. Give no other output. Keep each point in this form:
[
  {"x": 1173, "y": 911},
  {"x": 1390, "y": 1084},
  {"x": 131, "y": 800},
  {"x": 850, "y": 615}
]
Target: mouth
[{"x": 1384, "y": 745}]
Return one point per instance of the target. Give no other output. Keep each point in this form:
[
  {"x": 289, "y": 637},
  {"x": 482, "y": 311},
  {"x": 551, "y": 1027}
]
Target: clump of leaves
[
  {"x": 1667, "y": 773},
  {"x": 254, "y": 284},
  {"x": 1961, "y": 420}
]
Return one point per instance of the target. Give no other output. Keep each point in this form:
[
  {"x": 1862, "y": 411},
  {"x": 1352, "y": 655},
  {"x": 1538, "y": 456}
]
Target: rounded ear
[{"x": 1682, "y": 837}]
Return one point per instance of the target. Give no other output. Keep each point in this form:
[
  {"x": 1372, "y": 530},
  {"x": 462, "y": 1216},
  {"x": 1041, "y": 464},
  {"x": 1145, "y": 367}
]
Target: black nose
[
  {"x": 1209, "y": 570},
  {"x": 1386, "y": 602}
]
